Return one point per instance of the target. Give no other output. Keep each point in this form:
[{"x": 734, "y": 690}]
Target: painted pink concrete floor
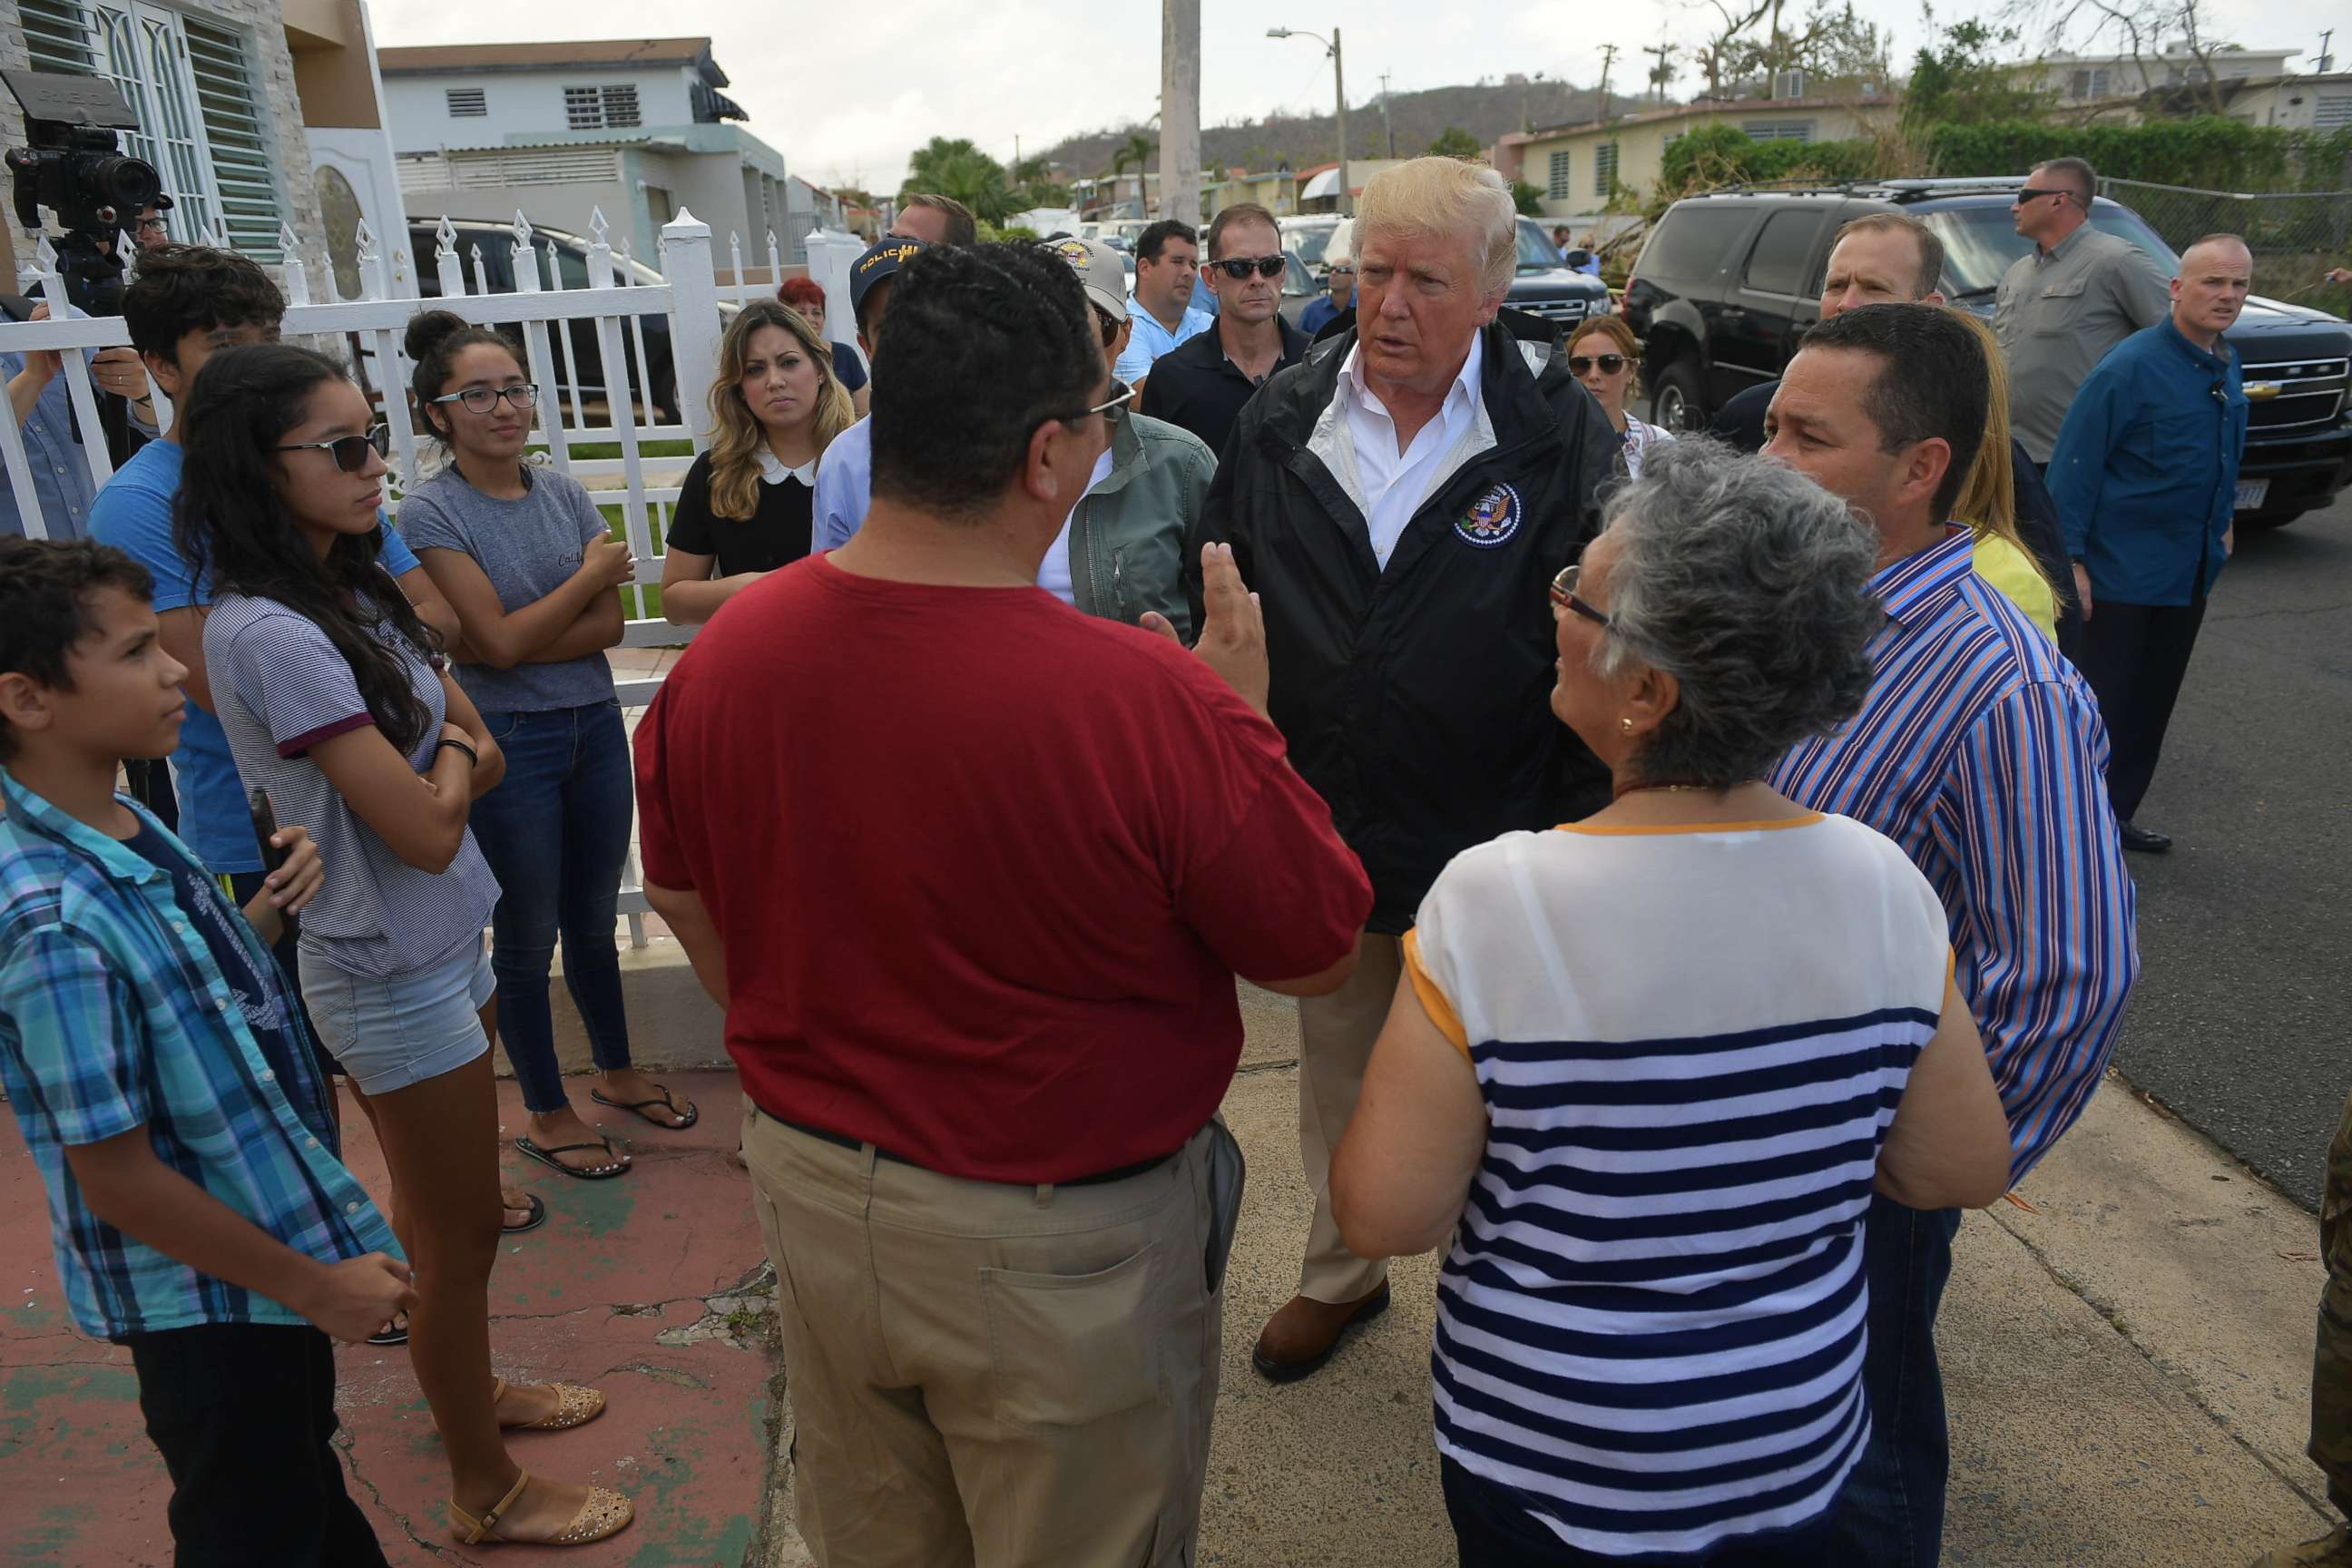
[{"x": 610, "y": 1291}]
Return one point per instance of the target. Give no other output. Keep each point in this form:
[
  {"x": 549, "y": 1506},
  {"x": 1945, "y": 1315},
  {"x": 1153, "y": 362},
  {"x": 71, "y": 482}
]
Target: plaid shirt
[{"x": 113, "y": 1016}]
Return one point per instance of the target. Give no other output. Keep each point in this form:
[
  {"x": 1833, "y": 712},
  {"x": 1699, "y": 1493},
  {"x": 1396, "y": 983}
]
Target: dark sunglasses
[
  {"x": 1239, "y": 266},
  {"x": 2028, "y": 192},
  {"x": 351, "y": 451},
  {"x": 1563, "y": 594},
  {"x": 1610, "y": 364},
  {"x": 1110, "y": 328}
]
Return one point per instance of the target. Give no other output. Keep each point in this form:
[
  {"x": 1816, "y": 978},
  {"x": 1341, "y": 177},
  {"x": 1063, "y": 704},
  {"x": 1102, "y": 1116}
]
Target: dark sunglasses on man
[
  {"x": 1578, "y": 364},
  {"x": 2031, "y": 192},
  {"x": 1240, "y": 266},
  {"x": 351, "y": 451}
]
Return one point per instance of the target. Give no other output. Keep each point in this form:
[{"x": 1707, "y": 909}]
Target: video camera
[{"x": 75, "y": 168}]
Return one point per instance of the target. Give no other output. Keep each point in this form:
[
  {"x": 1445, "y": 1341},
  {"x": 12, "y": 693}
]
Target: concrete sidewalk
[{"x": 2129, "y": 1366}]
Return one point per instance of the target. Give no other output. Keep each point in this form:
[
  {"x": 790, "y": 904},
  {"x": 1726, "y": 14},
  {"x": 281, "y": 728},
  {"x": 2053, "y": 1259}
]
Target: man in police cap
[
  {"x": 844, "y": 475},
  {"x": 1400, "y": 501}
]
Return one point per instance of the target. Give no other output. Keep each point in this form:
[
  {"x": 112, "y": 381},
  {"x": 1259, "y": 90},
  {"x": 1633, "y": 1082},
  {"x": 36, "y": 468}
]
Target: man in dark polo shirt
[
  {"x": 1202, "y": 384},
  {"x": 976, "y": 952}
]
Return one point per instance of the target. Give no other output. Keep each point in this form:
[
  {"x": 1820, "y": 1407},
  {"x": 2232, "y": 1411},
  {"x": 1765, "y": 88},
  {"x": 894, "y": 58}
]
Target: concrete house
[{"x": 637, "y": 127}]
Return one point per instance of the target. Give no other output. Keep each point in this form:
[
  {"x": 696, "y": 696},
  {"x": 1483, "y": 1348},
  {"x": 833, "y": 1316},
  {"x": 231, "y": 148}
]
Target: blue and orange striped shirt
[{"x": 1980, "y": 751}]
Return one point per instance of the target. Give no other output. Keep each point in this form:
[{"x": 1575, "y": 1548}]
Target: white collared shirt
[
  {"x": 1054, "y": 573},
  {"x": 773, "y": 472},
  {"x": 1386, "y": 484}
]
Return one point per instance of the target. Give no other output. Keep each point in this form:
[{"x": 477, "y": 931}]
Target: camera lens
[{"x": 128, "y": 184}]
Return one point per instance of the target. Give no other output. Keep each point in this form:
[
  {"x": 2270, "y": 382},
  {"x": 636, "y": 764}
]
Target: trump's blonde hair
[{"x": 1446, "y": 198}]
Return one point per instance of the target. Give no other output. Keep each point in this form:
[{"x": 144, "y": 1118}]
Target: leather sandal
[
  {"x": 605, "y": 1514},
  {"x": 688, "y": 1114},
  {"x": 575, "y": 1406},
  {"x": 612, "y": 1166}
]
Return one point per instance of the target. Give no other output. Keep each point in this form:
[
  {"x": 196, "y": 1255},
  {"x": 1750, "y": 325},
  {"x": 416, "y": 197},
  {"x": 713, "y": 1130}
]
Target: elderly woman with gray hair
[{"x": 1646, "y": 1069}]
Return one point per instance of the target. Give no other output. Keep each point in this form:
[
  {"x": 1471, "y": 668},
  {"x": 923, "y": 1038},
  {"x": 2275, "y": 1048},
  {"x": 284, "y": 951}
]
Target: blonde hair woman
[
  {"x": 1609, "y": 370},
  {"x": 746, "y": 506},
  {"x": 1987, "y": 503}
]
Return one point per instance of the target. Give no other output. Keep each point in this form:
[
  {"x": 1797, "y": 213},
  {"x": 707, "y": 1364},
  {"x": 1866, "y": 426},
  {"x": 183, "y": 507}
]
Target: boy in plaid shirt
[{"x": 165, "y": 1083}]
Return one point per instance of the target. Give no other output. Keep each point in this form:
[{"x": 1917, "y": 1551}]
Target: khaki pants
[
  {"x": 1336, "y": 1033},
  {"x": 986, "y": 1375},
  {"x": 2331, "y": 1363}
]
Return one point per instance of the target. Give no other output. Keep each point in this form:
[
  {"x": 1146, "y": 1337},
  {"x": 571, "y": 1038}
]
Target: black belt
[{"x": 1099, "y": 1179}]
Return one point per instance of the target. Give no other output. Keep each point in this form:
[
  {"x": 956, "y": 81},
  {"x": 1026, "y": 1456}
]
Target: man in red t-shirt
[{"x": 973, "y": 875}]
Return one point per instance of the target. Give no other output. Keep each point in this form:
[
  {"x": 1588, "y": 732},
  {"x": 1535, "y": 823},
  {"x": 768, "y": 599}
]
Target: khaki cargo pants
[
  {"x": 989, "y": 1376},
  {"x": 2331, "y": 1364}
]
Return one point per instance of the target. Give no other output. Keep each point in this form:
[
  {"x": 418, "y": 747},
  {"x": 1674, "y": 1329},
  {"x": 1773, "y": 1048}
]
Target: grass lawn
[
  {"x": 617, "y": 524},
  {"x": 594, "y": 449}
]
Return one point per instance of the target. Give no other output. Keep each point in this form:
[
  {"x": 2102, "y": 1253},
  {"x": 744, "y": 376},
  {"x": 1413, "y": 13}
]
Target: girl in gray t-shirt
[
  {"x": 525, "y": 558},
  {"x": 325, "y": 682}
]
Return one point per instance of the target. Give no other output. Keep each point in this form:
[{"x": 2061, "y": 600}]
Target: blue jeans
[
  {"x": 1892, "y": 1514},
  {"x": 555, "y": 832}
]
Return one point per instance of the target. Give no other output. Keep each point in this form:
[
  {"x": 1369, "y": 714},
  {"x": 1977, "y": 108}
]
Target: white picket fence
[{"x": 570, "y": 413}]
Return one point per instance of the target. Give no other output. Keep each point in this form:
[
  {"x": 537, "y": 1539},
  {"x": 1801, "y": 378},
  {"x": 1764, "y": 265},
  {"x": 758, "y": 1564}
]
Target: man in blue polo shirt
[
  {"x": 2145, "y": 476},
  {"x": 1167, "y": 266}
]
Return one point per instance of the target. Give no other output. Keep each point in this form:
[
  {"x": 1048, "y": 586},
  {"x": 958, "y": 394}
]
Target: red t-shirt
[{"x": 984, "y": 868}]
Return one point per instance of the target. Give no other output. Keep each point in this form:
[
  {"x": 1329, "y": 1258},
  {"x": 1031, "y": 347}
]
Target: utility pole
[
  {"x": 1663, "y": 70},
  {"x": 1180, "y": 110},
  {"x": 1340, "y": 82},
  {"x": 1607, "y": 58},
  {"x": 1387, "y": 130}
]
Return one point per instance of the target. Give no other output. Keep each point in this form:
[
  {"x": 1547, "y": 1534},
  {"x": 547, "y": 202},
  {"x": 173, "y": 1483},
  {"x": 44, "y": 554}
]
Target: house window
[
  {"x": 194, "y": 86},
  {"x": 1604, "y": 169},
  {"x": 2332, "y": 113},
  {"x": 467, "y": 104},
  {"x": 1563, "y": 163},
  {"x": 609, "y": 108},
  {"x": 1780, "y": 130},
  {"x": 2090, "y": 84}
]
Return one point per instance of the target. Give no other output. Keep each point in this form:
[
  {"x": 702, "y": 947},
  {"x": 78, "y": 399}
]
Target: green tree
[
  {"x": 957, "y": 168},
  {"x": 1139, "y": 150},
  {"x": 1527, "y": 198},
  {"x": 1457, "y": 142},
  {"x": 1959, "y": 80}
]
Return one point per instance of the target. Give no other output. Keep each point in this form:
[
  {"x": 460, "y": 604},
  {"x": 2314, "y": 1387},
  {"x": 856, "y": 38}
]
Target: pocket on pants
[{"x": 1066, "y": 1350}]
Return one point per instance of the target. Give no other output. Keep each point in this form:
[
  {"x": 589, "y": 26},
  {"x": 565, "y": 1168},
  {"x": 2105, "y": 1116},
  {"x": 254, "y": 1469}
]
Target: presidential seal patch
[{"x": 1492, "y": 518}]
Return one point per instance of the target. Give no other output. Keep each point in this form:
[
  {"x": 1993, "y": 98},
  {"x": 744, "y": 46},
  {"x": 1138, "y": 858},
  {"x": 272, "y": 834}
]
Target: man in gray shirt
[{"x": 2060, "y": 310}]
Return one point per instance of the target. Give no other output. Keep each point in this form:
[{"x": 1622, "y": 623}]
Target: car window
[
  {"x": 1310, "y": 243},
  {"x": 1536, "y": 252},
  {"x": 1295, "y": 279},
  {"x": 1776, "y": 263},
  {"x": 1981, "y": 240},
  {"x": 1692, "y": 243}
]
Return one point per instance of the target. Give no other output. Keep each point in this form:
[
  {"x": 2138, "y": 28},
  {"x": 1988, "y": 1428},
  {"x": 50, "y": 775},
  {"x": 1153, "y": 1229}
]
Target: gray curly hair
[{"x": 1750, "y": 585}]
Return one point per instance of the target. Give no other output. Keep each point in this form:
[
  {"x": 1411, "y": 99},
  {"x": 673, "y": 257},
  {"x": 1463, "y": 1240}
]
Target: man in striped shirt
[{"x": 1980, "y": 751}]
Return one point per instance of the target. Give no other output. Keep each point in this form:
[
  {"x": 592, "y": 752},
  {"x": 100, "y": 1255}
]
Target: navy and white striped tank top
[{"x": 1691, "y": 1043}]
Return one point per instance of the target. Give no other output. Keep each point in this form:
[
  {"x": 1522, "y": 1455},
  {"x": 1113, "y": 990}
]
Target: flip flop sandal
[
  {"x": 604, "y": 1514},
  {"x": 575, "y": 1406},
  {"x": 537, "y": 1215},
  {"x": 604, "y": 1172},
  {"x": 394, "y": 1333},
  {"x": 693, "y": 1114}
]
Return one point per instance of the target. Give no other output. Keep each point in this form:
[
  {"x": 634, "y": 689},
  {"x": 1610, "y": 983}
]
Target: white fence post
[
  {"x": 694, "y": 324},
  {"x": 612, "y": 354},
  {"x": 830, "y": 257}
]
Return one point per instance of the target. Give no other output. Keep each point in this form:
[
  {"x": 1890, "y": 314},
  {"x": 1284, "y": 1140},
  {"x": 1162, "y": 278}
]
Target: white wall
[{"x": 520, "y": 104}]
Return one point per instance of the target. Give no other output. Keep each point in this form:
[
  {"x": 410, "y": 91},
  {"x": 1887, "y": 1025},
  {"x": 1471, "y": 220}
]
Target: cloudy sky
[{"x": 844, "y": 90}]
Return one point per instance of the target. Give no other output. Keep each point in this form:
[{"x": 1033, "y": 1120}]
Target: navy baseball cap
[{"x": 881, "y": 261}]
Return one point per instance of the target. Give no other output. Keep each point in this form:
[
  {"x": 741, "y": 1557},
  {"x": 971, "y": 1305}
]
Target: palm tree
[
  {"x": 1138, "y": 150},
  {"x": 959, "y": 169}
]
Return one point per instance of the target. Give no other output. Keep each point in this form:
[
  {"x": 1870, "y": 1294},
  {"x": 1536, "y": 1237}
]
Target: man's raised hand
[{"x": 1232, "y": 627}]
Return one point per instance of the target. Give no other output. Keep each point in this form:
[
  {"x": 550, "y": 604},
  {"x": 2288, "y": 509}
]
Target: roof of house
[
  {"x": 542, "y": 55},
  {"x": 1705, "y": 106}
]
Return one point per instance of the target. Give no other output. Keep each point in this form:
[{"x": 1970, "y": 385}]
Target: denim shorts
[{"x": 390, "y": 1033}]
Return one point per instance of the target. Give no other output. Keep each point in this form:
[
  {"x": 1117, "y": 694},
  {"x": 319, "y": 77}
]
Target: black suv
[
  {"x": 1729, "y": 281},
  {"x": 587, "y": 359}
]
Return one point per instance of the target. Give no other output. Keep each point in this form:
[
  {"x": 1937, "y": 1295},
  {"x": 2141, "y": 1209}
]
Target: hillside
[{"x": 1418, "y": 118}]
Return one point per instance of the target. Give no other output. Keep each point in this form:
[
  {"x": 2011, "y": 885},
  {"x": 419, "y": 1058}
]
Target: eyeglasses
[
  {"x": 1343, "y": 269},
  {"x": 1610, "y": 364},
  {"x": 1124, "y": 396},
  {"x": 351, "y": 451},
  {"x": 1238, "y": 267},
  {"x": 1563, "y": 594},
  {"x": 150, "y": 226},
  {"x": 1110, "y": 328},
  {"x": 2028, "y": 192},
  {"x": 482, "y": 399}
]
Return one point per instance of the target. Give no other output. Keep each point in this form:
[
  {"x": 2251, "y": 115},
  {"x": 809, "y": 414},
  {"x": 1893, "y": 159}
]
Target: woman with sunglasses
[
  {"x": 747, "y": 502},
  {"x": 1645, "y": 1072},
  {"x": 1603, "y": 354},
  {"x": 524, "y": 557},
  {"x": 325, "y": 682}
]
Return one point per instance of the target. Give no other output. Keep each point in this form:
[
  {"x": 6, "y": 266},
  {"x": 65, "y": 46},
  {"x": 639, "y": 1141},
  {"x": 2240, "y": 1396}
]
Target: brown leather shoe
[{"x": 1298, "y": 1339}]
